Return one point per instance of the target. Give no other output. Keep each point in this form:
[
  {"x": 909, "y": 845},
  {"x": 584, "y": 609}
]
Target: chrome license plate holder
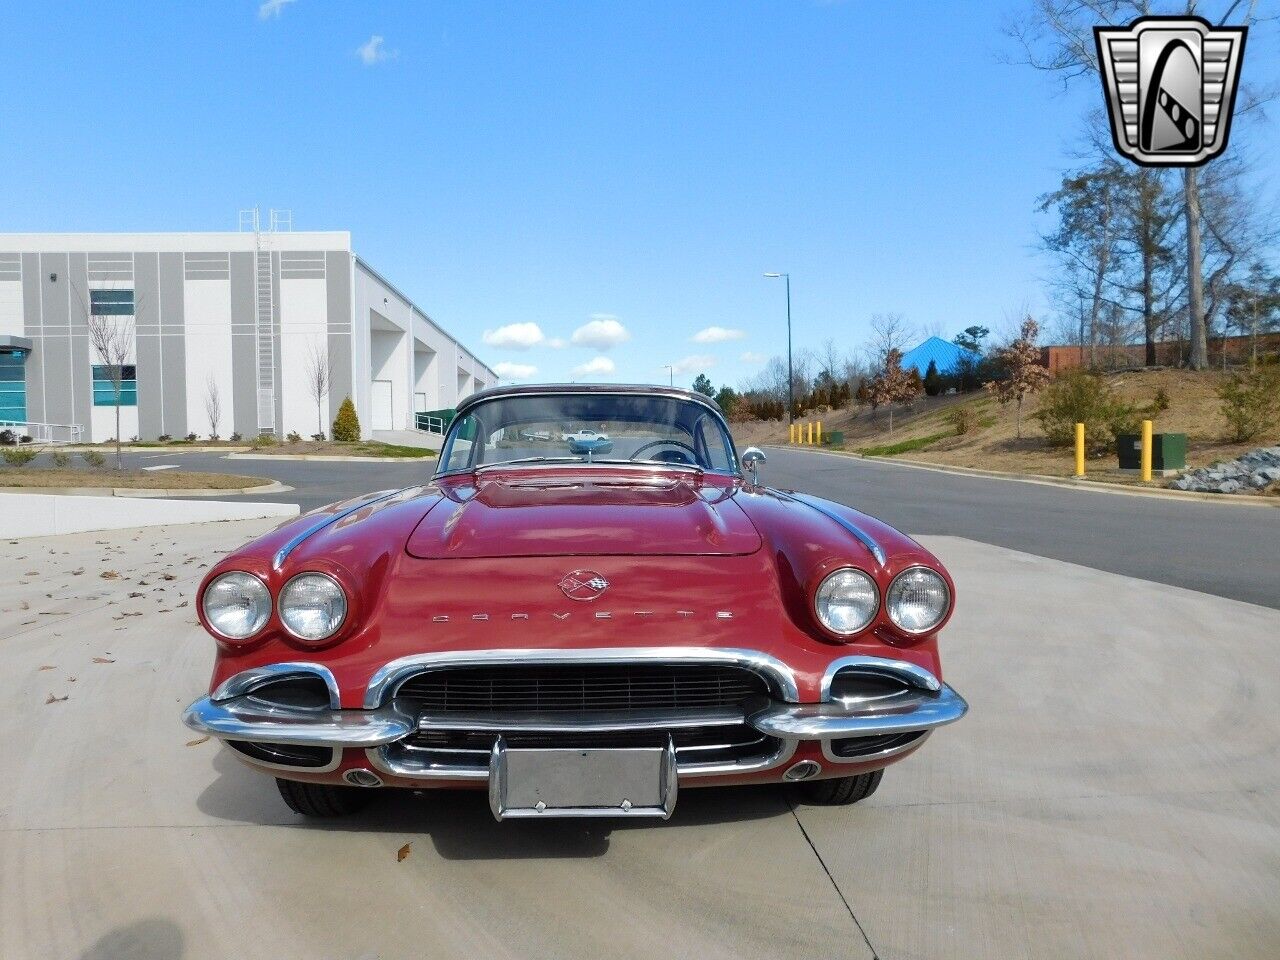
[{"x": 582, "y": 782}]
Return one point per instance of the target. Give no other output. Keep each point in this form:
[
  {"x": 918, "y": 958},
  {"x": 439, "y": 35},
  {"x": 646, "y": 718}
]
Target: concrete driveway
[{"x": 1113, "y": 793}]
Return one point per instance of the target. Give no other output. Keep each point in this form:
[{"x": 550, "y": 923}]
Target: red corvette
[{"x": 581, "y": 632}]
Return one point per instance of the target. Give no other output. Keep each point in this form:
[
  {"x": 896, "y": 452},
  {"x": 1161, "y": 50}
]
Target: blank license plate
[{"x": 624, "y": 782}]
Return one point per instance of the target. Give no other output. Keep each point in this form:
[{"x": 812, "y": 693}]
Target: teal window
[
  {"x": 111, "y": 303},
  {"x": 13, "y": 386},
  {"x": 104, "y": 390}
]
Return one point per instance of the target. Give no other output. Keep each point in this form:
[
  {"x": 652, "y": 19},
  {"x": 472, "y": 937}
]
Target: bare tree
[
  {"x": 889, "y": 332},
  {"x": 319, "y": 373},
  {"x": 111, "y": 338},
  {"x": 212, "y": 406},
  {"x": 1058, "y": 38}
]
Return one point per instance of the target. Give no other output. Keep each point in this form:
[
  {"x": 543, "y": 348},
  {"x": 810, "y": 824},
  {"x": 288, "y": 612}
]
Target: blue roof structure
[{"x": 942, "y": 352}]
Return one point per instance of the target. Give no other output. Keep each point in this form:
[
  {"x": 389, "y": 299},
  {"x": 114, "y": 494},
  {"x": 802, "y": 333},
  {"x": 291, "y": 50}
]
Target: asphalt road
[{"x": 1227, "y": 549}]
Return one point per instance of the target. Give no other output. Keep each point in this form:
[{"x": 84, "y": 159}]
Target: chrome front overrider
[{"x": 233, "y": 712}]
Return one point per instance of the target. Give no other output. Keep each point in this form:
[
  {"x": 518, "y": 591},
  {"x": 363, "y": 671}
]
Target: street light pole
[
  {"x": 671, "y": 375},
  {"x": 791, "y": 383}
]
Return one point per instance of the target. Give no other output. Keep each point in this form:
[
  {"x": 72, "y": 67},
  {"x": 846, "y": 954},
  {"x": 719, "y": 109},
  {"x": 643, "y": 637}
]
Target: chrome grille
[{"x": 582, "y": 687}]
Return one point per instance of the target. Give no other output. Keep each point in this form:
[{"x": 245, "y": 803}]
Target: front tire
[
  {"x": 840, "y": 791},
  {"x": 322, "y": 799}
]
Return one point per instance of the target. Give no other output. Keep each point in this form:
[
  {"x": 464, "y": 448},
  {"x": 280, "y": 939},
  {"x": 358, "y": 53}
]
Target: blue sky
[{"x": 589, "y": 167}]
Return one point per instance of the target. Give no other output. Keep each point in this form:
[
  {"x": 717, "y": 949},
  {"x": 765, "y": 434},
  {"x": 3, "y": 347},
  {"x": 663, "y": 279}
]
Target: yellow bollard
[
  {"x": 1146, "y": 451},
  {"x": 809, "y": 441},
  {"x": 791, "y": 433},
  {"x": 1079, "y": 449},
  {"x": 819, "y": 433}
]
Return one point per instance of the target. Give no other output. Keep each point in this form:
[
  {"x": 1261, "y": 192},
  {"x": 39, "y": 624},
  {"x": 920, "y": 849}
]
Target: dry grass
[
  {"x": 994, "y": 445},
  {"x": 334, "y": 448},
  {"x": 136, "y": 479}
]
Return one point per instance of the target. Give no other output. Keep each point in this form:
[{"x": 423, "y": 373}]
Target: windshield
[{"x": 589, "y": 428}]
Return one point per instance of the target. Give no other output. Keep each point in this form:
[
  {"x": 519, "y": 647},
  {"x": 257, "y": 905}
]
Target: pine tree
[
  {"x": 932, "y": 380},
  {"x": 346, "y": 426}
]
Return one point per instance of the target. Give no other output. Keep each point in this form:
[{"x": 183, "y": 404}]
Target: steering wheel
[{"x": 666, "y": 443}]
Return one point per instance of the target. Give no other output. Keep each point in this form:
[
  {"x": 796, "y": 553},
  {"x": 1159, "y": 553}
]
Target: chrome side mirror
[{"x": 752, "y": 457}]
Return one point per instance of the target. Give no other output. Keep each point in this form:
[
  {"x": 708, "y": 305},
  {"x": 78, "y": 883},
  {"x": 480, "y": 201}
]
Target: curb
[
  {"x": 274, "y": 486},
  {"x": 165, "y": 451},
  {"x": 1097, "y": 486},
  {"x": 324, "y": 458}
]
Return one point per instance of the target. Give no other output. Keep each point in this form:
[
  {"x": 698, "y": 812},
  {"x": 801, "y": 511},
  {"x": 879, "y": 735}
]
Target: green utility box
[
  {"x": 1168, "y": 451},
  {"x": 429, "y": 419},
  {"x": 833, "y": 439}
]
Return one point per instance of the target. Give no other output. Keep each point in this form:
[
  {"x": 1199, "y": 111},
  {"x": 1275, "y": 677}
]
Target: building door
[
  {"x": 13, "y": 388},
  {"x": 382, "y": 416}
]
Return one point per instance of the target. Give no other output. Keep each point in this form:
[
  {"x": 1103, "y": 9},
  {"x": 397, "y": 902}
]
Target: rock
[{"x": 1228, "y": 486}]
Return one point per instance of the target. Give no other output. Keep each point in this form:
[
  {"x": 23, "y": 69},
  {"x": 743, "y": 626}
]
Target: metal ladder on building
[{"x": 264, "y": 338}]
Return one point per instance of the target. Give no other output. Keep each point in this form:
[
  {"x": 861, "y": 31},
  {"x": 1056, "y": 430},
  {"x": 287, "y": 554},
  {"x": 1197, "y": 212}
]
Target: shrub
[
  {"x": 191, "y": 438},
  {"x": 213, "y": 437},
  {"x": 317, "y": 436},
  {"x": 236, "y": 438},
  {"x": 19, "y": 457},
  {"x": 8, "y": 438},
  {"x": 264, "y": 440},
  {"x": 1082, "y": 397},
  {"x": 1251, "y": 402},
  {"x": 163, "y": 438},
  {"x": 60, "y": 459},
  {"x": 1160, "y": 402},
  {"x": 346, "y": 426},
  {"x": 93, "y": 458},
  {"x": 294, "y": 436},
  {"x": 26, "y": 438},
  {"x": 963, "y": 418}
]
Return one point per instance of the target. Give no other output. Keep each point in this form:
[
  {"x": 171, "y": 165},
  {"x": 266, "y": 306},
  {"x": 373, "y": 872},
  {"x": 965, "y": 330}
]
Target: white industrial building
[{"x": 244, "y": 315}]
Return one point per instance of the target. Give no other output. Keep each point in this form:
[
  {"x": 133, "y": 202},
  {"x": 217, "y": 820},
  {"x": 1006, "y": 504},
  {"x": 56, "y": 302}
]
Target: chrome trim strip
[
  {"x": 384, "y": 683},
  {"x": 603, "y": 721},
  {"x": 378, "y": 757},
  {"x": 249, "y": 680},
  {"x": 859, "y": 534},
  {"x": 903, "y": 670},
  {"x": 320, "y": 523},
  {"x": 254, "y": 720},
  {"x": 825, "y": 721},
  {"x": 885, "y": 754}
]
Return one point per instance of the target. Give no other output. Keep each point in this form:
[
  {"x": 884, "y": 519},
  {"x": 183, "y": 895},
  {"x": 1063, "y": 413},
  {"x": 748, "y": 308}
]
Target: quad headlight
[
  {"x": 236, "y": 605},
  {"x": 312, "y": 606},
  {"x": 918, "y": 600},
  {"x": 846, "y": 601}
]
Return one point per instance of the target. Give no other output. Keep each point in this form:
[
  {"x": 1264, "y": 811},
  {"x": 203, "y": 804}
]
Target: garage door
[{"x": 382, "y": 419}]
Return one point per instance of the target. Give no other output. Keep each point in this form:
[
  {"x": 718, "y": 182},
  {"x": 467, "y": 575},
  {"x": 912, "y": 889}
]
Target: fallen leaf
[
  {"x": 103, "y": 660},
  {"x": 53, "y": 699},
  {"x": 196, "y": 743},
  {"x": 183, "y": 603},
  {"x": 32, "y": 573},
  {"x": 48, "y": 666},
  {"x": 24, "y": 605},
  {"x": 403, "y": 852},
  {"x": 167, "y": 576},
  {"x": 135, "y": 593},
  {"x": 109, "y": 575}
]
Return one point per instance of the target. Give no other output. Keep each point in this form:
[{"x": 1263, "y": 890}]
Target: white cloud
[
  {"x": 698, "y": 362},
  {"x": 595, "y": 366},
  {"x": 557, "y": 343},
  {"x": 514, "y": 371},
  {"x": 373, "y": 51},
  {"x": 753, "y": 358},
  {"x": 718, "y": 335},
  {"x": 601, "y": 332},
  {"x": 271, "y": 9},
  {"x": 514, "y": 336}
]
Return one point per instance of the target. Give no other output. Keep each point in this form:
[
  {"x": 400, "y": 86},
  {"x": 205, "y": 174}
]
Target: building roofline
[
  {"x": 422, "y": 313},
  {"x": 174, "y": 241}
]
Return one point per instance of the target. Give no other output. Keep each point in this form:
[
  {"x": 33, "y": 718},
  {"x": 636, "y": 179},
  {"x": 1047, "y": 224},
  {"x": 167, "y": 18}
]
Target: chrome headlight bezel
[
  {"x": 291, "y": 628},
  {"x": 261, "y": 598},
  {"x": 828, "y": 582},
  {"x": 893, "y": 587}
]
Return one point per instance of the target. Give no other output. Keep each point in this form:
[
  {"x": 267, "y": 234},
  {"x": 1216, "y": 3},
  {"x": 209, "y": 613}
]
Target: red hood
[{"x": 596, "y": 511}]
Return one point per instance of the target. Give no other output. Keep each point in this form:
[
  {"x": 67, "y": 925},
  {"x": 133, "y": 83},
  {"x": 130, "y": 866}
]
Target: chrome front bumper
[{"x": 925, "y": 703}]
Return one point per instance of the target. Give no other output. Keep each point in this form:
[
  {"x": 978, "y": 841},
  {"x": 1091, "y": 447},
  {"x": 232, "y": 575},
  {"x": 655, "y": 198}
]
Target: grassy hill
[{"x": 924, "y": 433}]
